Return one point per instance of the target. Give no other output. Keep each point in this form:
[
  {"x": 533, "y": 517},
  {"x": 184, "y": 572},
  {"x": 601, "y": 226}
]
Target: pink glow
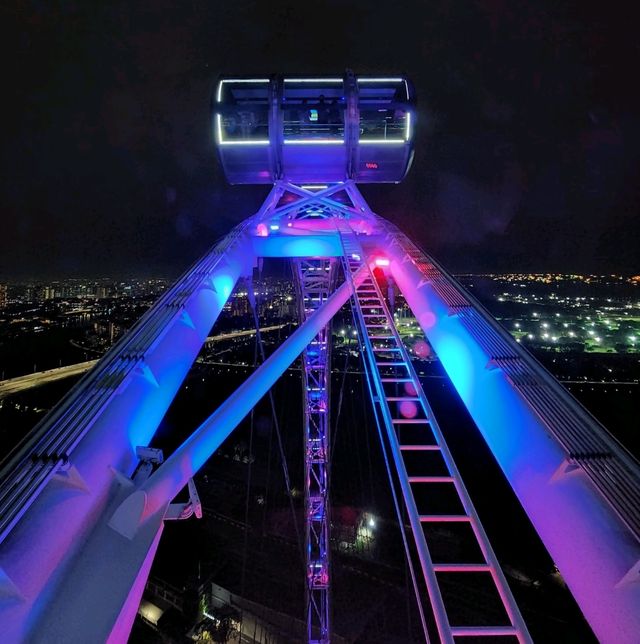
[
  {"x": 408, "y": 409},
  {"x": 422, "y": 349},
  {"x": 381, "y": 261},
  {"x": 328, "y": 224},
  {"x": 262, "y": 230},
  {"x": 410, "y": 389},
  {"x": 427, "y": 320}
]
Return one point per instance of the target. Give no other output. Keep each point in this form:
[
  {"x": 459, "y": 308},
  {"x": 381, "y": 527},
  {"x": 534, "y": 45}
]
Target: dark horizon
[{"x": 527, "y": 151}]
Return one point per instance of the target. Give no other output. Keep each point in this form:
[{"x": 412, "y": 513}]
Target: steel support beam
[
  {"x": 315, "y": 279},
  {"x": 108, "y": 576},
  {"x": 165, "y": 483},
  {"x": 594, "y": 548},
  {"x": 61, "y": 480}
]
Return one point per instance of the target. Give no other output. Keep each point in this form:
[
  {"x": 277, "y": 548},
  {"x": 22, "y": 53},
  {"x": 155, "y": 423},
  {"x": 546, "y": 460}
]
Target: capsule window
[
  {"x": 384, "y": 125},
  {"x": 313, "y": 112},
  {"x": 242, "y": 112},
  {"x": 384, "y": 116}
]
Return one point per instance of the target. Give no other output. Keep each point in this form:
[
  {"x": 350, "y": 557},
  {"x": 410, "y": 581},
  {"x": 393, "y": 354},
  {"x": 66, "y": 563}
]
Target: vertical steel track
[{"x": 315, "y": 278}]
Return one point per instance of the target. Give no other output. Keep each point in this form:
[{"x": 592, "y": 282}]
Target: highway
[
  {"x": 21, "y": 383},
  {"x": 16, "y": 385}
]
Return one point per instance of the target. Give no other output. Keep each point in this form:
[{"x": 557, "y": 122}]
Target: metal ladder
[{"x": 426, "y": 472}]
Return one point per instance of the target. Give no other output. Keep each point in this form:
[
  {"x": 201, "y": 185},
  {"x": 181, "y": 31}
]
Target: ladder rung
[
  {"x": 377, "y": 326},
  {"x": 483, "y": 631},
  {"x": 457, "y": 567},
  {"x": 396, "y": 379},
  {"x": 419, "y": 448},
  {"x": 382, "y": 337},
  {"x": 431, "y": 479},
  {"x": 409, "y": 421},
  {"x": 386, "y": 349},
  {"x": 444, "y": 518},
  {"x": 403, "y": 398},
  {"x": 391, "y": 364}
]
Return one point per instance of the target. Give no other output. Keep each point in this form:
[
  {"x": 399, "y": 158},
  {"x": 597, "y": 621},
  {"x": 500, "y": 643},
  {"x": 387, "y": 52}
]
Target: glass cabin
[{"x": 314, "y": 129}]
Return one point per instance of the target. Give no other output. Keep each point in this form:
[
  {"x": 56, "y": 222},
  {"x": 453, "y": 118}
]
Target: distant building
[
  {"x": 3, "y": 295},
  {"x": 46, "y": 293},
  {"x": 102, "y": 292},
  {"x": 239, "y": 306}
]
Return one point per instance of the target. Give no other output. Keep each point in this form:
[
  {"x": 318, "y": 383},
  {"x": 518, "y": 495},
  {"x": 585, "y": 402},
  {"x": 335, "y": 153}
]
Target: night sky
[{"x": 528, "y": 144}]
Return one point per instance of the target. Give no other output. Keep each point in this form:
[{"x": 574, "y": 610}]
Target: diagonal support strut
[{"x": 174, "y": 473}]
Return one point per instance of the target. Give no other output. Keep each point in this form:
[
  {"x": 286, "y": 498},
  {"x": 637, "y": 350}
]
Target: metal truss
[
  {"x": 289, "y": 202},
  {"x": 315, "y": 278}
]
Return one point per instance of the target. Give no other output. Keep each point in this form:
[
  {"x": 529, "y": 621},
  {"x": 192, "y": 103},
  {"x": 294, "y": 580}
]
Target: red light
[{"x": 371, "y": 166}]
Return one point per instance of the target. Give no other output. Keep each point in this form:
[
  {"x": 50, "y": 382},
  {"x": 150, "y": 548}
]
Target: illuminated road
[
  {"x": 238, "y": 334},
  {"x": 16, "y": 385},
  {"x": 28, "y": 381}
]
